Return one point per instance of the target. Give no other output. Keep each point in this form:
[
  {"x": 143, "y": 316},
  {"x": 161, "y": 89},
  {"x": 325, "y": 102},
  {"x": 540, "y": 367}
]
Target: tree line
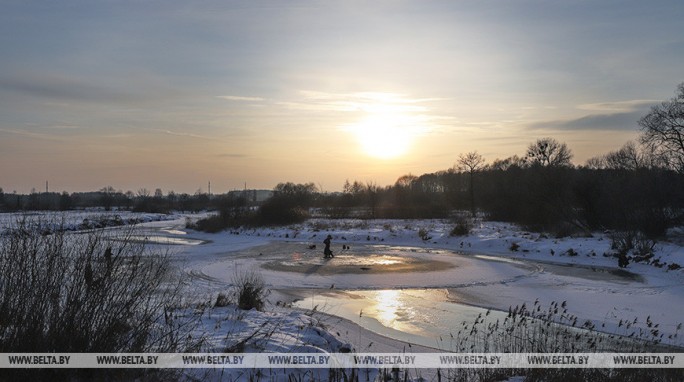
[{"x": 108, "y": 198}]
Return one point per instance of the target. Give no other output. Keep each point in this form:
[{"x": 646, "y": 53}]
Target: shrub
[
  {"x": 635, "y": 243},
  {"x": 84, "y": 292},
  {"x": 212, "y": 224},
  {"x": 463, "y": 226},
  {"x": 644, "y": 248},
  {"x": 250, "y": 290},
  {"x": 278, "y": 211},
  {"x": 424, "y": 234},
  {"x": 222, "y": 300}
]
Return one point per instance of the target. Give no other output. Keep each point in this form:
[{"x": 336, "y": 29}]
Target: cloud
[
  {"x": 62, "y": 127},
  {"x": 241, "y": 98},
  {"x": 182, "y": 134},
  {"x": 620, "y": 115},
  {"x": 62, "y": 88},
  {"x": 619, "y": 106},
  {"x": 615, "y": 121},
  {"x": 369, "y": 102},
  {"x": 32, "y": 134},
  {"x": 229, "y": 155}
]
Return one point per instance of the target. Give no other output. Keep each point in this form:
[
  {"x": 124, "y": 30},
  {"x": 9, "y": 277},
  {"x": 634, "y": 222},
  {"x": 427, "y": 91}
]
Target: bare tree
[
  {"x": 548, "y": 152},
  {"x": 107, "y": 198},
  {"x": 626, "y": 158},
  {"x": 505, "y": 164},
  {"x": 596, "y": 163},
  {"x": 353, "y": 188},
  {"x": 663, "y": 130},
  {"x": 471, "y": 162},
  {"x": 406, "y": 181},
  {"x": 372, "y": 190}
]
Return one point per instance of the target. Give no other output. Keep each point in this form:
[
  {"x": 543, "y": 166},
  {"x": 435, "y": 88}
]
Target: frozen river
[{"x": 418, "y": 294}]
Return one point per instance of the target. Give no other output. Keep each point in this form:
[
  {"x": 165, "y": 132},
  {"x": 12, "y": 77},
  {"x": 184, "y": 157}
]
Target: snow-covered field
[
  {"x": 79, "y": 220},
  {"x": 480, "y": 269}
]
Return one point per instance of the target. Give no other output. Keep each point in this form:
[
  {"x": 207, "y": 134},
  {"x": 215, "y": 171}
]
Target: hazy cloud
[
  {"x": 182, "y": 134},
  {"x": 32, "y": 134},
  {"x": 615, "y": 121},
  {"x": 618, "y": 115},
  {"x": 229, "y": 155},
  {"x": 241, "y": 98},
  {"x": 62, "y": 88},
  {"x": 371, "y": 102},
  {"x": 620, "y": 106}
]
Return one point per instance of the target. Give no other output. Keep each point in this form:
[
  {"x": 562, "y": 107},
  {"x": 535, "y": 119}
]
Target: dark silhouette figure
[{"x": 327, "y": 253}]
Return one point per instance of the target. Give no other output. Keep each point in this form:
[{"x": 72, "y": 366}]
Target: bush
[
  {"x": 637, "y": 244},
  {"x": 463, "y": 226},
  {"x": 424, "y": 234},
  {"x": 222, "y": 300},
  {"x": 250, "y": 290},
  {"x": 83, "y": 292},
  {"x": 279, "y": 211},
  {"x": 212, "y": 224}
]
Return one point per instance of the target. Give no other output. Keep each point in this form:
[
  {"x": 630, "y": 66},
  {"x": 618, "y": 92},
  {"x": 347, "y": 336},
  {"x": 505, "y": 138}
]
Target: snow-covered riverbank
[{"x": 496, "y": 266}]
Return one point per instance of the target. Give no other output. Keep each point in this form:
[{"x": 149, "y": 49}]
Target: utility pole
[
  {"x": 209, "y": 187},
  {"x": 46, "y": 186}
]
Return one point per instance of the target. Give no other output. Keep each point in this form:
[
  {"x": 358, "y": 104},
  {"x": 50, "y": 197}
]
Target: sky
[{"x": 175, "y": 94}]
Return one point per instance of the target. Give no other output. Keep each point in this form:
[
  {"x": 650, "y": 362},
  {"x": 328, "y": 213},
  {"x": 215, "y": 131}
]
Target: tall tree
[
  {"x": 471, "y": 162},
  {"x": 405, "y": 181},
  {"x": 372, "y": 190},
  {"x": 626, "y": 158},
  {"x": 663, "y": 130},
  {"x": 548, "y": 152}
]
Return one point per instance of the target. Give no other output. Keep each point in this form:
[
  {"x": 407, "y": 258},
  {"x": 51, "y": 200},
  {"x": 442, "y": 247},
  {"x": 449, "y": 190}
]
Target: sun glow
[
  {"x": 385, "y": 136},
  {"x": 386, "y": 124}
]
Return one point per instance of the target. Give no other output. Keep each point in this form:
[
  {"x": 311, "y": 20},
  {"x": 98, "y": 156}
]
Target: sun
[{"x": 384, "y": 135}]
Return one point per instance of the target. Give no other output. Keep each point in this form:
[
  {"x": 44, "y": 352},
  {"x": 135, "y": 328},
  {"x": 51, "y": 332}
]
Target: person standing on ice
[{"x": 327, "y": 253}]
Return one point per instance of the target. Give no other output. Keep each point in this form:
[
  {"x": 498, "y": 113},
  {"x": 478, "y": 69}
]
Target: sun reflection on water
[{"x": 387, "y": 303}]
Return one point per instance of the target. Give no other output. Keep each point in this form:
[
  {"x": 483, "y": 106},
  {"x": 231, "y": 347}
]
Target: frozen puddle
[
  {"x": 345, "y": 260},
  {"x": 368, "y": 263},
  {"x": 421, "y": 316},
  {"x": 363, "y": 259}
]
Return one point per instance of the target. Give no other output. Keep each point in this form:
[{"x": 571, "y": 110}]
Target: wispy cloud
[
  {"x": 619, "y": 115},
  {"x": 615, "y": 121},
  {"x": 370, "y": 102},
  {"x": 62, "y": 87},
  {"x": 232, "y": 155},
  {"x": 32, "y": 134},
  {"x": 182, "y": 134},
  {"x": 62, "y": 127},
  {"x": 619, "y": 106},
  {"x": 241, "y": 98}
]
